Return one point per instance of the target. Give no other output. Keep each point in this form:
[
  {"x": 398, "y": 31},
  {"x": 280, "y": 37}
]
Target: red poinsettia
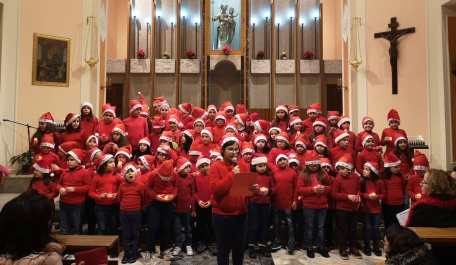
[
  {"x": 141, "y": 53},
  {"x": 190, "y": 54},
  {"x": 227, "y": 49},
  {"x": 308, "y": 55}
]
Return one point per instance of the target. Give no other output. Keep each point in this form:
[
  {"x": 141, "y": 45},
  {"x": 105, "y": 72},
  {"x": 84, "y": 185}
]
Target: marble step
[{"x": 15, "y": 184}]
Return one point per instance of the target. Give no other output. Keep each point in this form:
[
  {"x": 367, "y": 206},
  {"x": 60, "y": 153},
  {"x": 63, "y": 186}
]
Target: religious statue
[{"x": 226, "y": 26}]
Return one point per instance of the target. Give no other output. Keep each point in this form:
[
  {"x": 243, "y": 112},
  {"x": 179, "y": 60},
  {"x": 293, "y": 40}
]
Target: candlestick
[
  {"x": 290, "y": 42},
  {"x": 172, "y": 39},
  {"x": 184, "y": 35},
  {"x": 159, "y": 37},
  {"x": 315, "y": 36},
  {"x": 147, "y": 40},
  {"x": 137, "y": 38},
  {"x": 278, "y": 40},
  {"x": 253, "y": 40},
  {"x": 196, "y": 39},
  {"x": 134, "y": 34},
  {"x": 265, "y": 43},
  {"x": 302, "y": 38}
]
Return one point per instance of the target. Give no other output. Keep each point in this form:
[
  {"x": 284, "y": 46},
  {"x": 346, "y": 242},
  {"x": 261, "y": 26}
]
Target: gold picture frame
[{"x": 51, "y": 60}]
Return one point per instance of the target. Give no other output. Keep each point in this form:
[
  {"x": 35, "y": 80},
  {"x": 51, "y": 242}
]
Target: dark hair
[
  {"x": 225, "y": 145},
  {"x": 325, "y": 153},
  {"x": 401, "y": 239},
  {"x": 25, "y": 225},
  {"x": 137, "y": 153},
  {"x": 266, "y": 148},
  {"x": 102, "y": 169},
  {"x": 387, "y": 173},
  {"x": 88, "y": 117},
  {"x": 268, "y": 171},
  {"x": 123, "y": 141},
  {"x": 322, "y": 178},
  {"x": 187, "y": 144},
  {"x": 47, "y": 179},
  {"x": 408, "y": 154},
  {"x": 363, "y": 185},
  {"x": 275, "y": 121}
]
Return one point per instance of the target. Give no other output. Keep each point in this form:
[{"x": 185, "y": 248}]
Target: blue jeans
[
  {"x": 183, "y": 229},
  {"x": 371, "y": 231},
  {"x": 258, "y": 220},
  {"x": 70, "y": 218},
  {"x": 284, "y": 216},
  {"x": 130, "y": 224},
  {"x": 106, "y": 219},
  {"x": 314, "y": 224},
  {"x": 230, "y": 237}
]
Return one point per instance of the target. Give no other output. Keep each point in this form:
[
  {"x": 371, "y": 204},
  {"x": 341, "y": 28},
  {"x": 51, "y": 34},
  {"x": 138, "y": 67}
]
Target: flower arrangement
[
  {"x": 260, "y": 55},
  {"x": 190, "y": 54},
  {"x": 141, "y": 54},
  {"x": 308, "y": 55},
  {"x": 227, "y": 49}
]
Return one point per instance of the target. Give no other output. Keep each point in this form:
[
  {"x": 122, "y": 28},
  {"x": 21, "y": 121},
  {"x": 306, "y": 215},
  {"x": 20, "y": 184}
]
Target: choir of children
[{"x": 311, "y": 174}]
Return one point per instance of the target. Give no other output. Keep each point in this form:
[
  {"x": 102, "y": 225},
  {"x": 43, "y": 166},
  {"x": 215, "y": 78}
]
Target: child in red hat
[
  {"x": 136, "y": 126},
  {"x": 342, "y": 146},
  {"x": 73, "y": 130},
  {"x": 369, "y": 152},
  {"x": 387, "y": 135},
  {"x": 43, "y": 182},
  {"x": 89, "y": 122},
  {"x": 211, "y": 114},
  {"x": 313, "y": 111},
  {"x": 107, "y": 124},
  {"x": 420, "y": 166},
  {"x": 144, "y": 148},
  {"x": 344, "y": 125},
  {"x": 282, "y": 147},
  {"x": 246, "y": 157},
  {"x": 46, "y": 155},
  {"x": 395, "y": 184},
  {"x": 368, "y": 128},
  {"x": 296, "y": 128},
  {"x": 281, "y": 118},
  {"x": 46, "y": 126},
  {"x": 402, "y": 151},
  {"x": 118, "y": 140},
  {"x": 260, "y": 142}
]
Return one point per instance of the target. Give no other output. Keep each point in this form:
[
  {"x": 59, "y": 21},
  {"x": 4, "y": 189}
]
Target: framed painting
[{"x": 51, "y": 60}]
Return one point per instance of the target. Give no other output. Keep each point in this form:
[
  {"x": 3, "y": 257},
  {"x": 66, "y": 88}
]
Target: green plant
[{"x": 23, "y": 162}]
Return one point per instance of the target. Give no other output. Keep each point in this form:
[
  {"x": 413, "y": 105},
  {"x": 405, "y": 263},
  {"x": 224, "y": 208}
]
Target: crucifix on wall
[{"x": 393, "y": 37}]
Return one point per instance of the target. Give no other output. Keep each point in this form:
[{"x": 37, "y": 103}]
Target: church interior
[{"x": 359, "y": 58}]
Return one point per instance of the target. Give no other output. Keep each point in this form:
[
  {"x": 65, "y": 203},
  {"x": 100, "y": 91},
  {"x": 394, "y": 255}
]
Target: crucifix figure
[{"x": 393, "y": 36}]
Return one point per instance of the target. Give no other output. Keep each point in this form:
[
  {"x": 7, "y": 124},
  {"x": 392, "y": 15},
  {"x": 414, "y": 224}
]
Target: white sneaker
[
  {"x": 176, "y": 251},
  {"x": 189, "y": 251}
]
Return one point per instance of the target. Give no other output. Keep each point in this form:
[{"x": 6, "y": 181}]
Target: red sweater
[
  {"x": 46, "y": 160},
  {"x": 88, "y": 126},
  {"x": 221, "y": 179},
  {"x": 264, "y": 181},
  {"x": 373, "y": 206},
  {"x": 185, "y": 191},
  {"x": 414, "y": 186},
  {"x": 105, "y": 130},
  {"x": 285, "y": 188},
  {"x": 394, "y": 190},
  {"x": 341, "y": 188},
  {"x": 337, "y": 152},
  {"x": 218, "y": 132},
  {"x": 159, "y": 185},
  {"x": 359, "y": 140},
  {"x": 76, "y": 136},
  {"x": 106, "y": 183},
  {"x": 137, "y": 128},
  {"x": 365, "y": 156},
  {"x": 131, "y": 196},
  {"x": 308, "y": 126},
  {"x": 202, "y": 188},
  {"x": 50, "y": 190},
  {"x": 310, "y": 199},
  {"x": 79, "y": 178},
  {"x": 387, "y": 138}
]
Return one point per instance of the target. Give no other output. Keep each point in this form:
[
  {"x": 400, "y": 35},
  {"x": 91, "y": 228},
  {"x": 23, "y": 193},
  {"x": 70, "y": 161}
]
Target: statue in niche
[{"x": 226, "y": 26}]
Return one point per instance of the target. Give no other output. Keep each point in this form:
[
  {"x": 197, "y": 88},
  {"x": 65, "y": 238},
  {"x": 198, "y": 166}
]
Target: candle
[
  {"x": 159, "y": 37},
  {"x": 134, "y": 33},
  {"x": 196, "y": 39},
  {"x": 315, "y": 36},
  {"x": 184, "y": 32},
  {"x": 278, "y": 40},
  {"x": 265, "y": 43},
  {"x": 290, "y": 42},
  {"x": 253, "y": 39},
  {"x": 172, "y": 40},
  {"x": 302, "y": 38},
  {"x": 147, "y": 40}
]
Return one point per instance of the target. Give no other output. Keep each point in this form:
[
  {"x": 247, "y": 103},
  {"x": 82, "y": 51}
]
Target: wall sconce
[
  {"x": 355, "y": 56},
  {"x": 91, "y": 53}
]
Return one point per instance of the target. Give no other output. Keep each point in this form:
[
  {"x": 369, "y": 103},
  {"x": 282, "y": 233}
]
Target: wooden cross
[{"x": 393, "y": 36}]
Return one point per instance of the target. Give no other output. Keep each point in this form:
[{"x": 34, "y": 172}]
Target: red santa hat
[
  {"x": 292, "y": 158},
  {"x": 202, "y": 161},
  {"x": 247, "y": 147},
  {"x": 134, "y": 104},
  {"x": 260, "y": 159},
  {"x": 243, "y": 119},
  {"x": 220, "y": 116},
  {"x": 182, "y": 163},
  {"x": 343, "y": 120},
  {"x": 339, "y": 135},
  {"x": 366, "y": 119},
  {"x": 158, "y": 123},
  {"x": 391, "y": 160},
  {"x": 173, "y": 119},
  {"x": 129, "y": 167},
  {"x": 47, "y": 118},
  {"x": 228, "y": 138},
  {"x": 211, "y": 107},
  {"x": 364, "y": 137},
  {"x": 77, "y": 154},
  {"x": 345, "y": 161},
  {"x": 87, "y": 104},
  {"x": 230, "y": 126},
  {"x": 41, "y": 167},
  {"x": 281, "y": 107},
  {"x": 325, "y": 162},
  {"x": 312, "y": 158},
  {"x": 283, "y": 136},
  {"x": 295, "y": 120},
  {"x": 47, "y": 141},
  {"x": 240, "y": 108},
  {"x": 68, "y": 145},
  {"x": 321, "y": 140},
  {"x": 158, "y": 101},
  {"x": 274, "y": 129},
  {"x": 259, "y": 137},
  {"x": 93, "y": 137},
  {"x": 189, "y": 133},
  {"x": 261, "y": 125},
  {"x": 145, "y": 141},
  {"x": 420, "y": 161},
  {"x": 301, "y": 140},
  {"x": 199, "y": 121},
  {"x": 314, "y": 108},
  {"x": 398, "y": 137},
  {"x": 320, "y": 121},
  {"x": 166, "y": 168},
  {"x": 185, "y": 108},
  {"x": 103, "y": 159},
  {"x": 123, "y": 151},
  {"x": 195, "y": 150},
  {"x": 70, "y": 118},
  {"x": 145, "y": 107},
  {"x": 254, "y": 116},
  {"x": 292, "y": 109},
  {"x": 281, "y": 156},
  {"x": 333, "y": 115},
  {"x": 215, "y": 151},
  {"x": 393, "y": 115},
  {"x": 110, "y": 109},
  {"x": 167, "y": 136},
  {"x": 373, "y": 166},
  {"x": 93, "y": 152},
  {"x": 147, "y": 161},
  {"x": 164, "y": 149},
  {"x": 227, "y": 105},
  {"x": 119, "y": 128},
  {"x": 208, "y": 133}
]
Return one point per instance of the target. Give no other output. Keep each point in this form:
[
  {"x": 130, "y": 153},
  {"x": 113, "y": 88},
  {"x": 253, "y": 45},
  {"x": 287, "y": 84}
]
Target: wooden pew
[{"x": 436, "y": 235}]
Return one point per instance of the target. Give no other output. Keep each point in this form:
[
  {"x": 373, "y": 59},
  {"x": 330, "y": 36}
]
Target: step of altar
[
  {"x": 300, "y": 258},
  {"x": 15, "y": 184}
]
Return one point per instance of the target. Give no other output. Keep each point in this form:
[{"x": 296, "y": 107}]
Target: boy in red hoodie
[
  {"x": 135, "y": 125},
  {"x": 284, "y": 200},
  {"x": 345, "y": 191},
  {"x": 131, "y": 198},
  {"x": 73, "y": 187}
]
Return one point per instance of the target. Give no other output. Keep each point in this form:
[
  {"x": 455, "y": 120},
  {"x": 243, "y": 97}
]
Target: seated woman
[
  {"x": 404, "y": 247},
  {"x": 25, "y": 237}
]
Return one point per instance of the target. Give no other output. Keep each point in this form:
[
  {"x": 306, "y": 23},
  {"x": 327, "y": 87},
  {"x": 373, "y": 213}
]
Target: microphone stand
[{"x": 23, "y": 124}]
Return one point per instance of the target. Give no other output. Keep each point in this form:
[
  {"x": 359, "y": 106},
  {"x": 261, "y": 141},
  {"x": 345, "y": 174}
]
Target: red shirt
[
  {"x": 137, "y": 128},
  {"x": 285, "y": 188},
  {"x": 105, "y": 130},
  {"x": 263, "y": 181},
  {"x": 79, "y": 178},
  {"x": 105, "y": 183},
  {"x": 337, "y": 152},
  {"x": 359, "y": 140},
  {"x": 185, "y": 191},
  {"x": 157, "y": 185},
  {"x": 394, "y": 190},
  {"x": 365, "y": 156},
  {"x": 88, "y": 125},
  {"x": 50, "y": 190},
  {"x": 311, "y": 199},
  {"x": 202, "y": 188},
  {"x": 131, "y": 196},
  {"x": 373, "y": 206},
  {"x": 218, "y": 132},
  {"x": 73, "y": 136},
  {"x": 341, "y": 188},
  {"x": 414, "y": 186},
  {"x": 387, "y": 138},
  {"x": 46, "y": 160},
  {"x": 221, "y": 179}
]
